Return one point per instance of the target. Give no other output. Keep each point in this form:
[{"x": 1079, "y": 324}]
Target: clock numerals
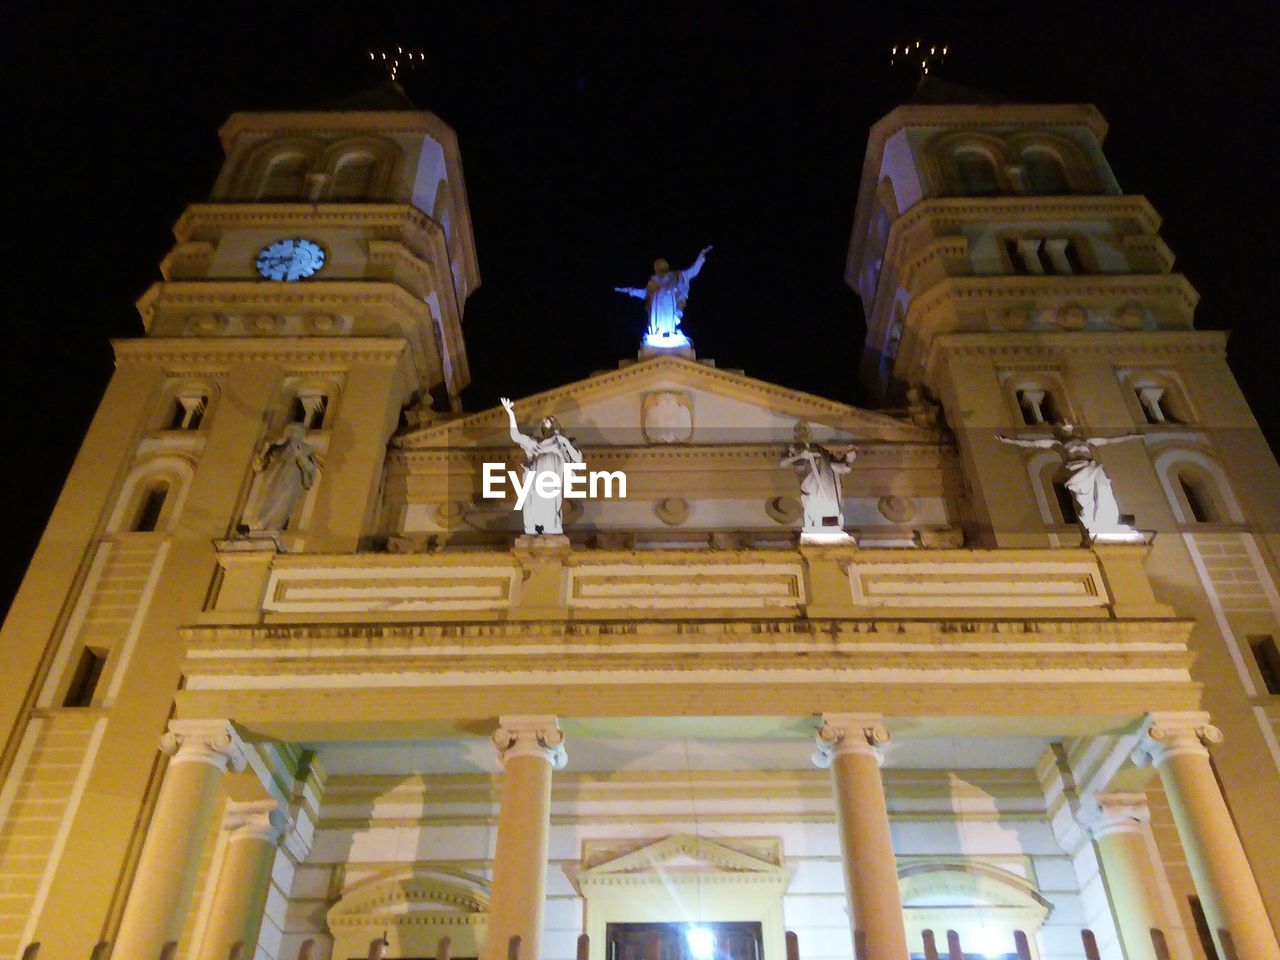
[{"x": 289, "y": 260}]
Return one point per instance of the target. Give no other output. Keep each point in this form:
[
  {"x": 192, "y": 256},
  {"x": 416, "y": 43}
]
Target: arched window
[
  {"x": 285, "y": 177},
  {"x": 354, "y": 177},
  {"x": 152, "y": 495},
  {"x": 977, "y": 172},
  {"x": 1065, "y": 502},
  {"x": 1045, "y": 174},
  {"x": 1199, "y": 500},
  {"x": 1196, "y": 486},
  {"x": 150, "y": 507}
]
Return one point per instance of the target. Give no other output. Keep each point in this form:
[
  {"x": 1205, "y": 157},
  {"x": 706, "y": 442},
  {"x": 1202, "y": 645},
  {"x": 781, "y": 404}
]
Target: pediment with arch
[
  {"x": 432, "y": 903},
  {"x": 953, "y": 894}
]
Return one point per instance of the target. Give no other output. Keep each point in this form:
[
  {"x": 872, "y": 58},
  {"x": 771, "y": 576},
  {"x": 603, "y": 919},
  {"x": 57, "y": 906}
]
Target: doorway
[{"x": 742, "y": 940}]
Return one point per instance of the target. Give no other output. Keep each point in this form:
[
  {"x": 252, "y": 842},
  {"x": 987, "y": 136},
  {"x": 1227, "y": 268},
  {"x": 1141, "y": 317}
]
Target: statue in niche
[
  {"x": 819, "y": 471},
  {"x": 664, "y": 297},
  {"x": 547, "y": 454},
  {"x": 1089, "y": 485},
  {"x": 286, "y": 468}
]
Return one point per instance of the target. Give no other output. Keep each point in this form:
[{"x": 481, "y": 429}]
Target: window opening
[
  {"x": 150, "y": 509},
  {"x": 84, "y": 681},
  {"x": 1066, "y": 502},
  {"x": 1267, "y": 654},
  {"x": 1197, "y": 502},
  {"x": 188, "y": 411},
  {"x": 977, "y": 173}
]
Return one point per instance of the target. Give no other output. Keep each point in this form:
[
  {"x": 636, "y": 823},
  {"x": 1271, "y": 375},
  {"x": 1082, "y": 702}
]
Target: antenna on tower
[
  {"x": 919, "y": 55},
  {"x": 398, "y": 60}
]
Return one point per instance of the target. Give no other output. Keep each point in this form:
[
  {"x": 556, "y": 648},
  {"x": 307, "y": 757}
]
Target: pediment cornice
[
  {"x": 716, "y": 860},
  {"x": 776, "y": 398}
]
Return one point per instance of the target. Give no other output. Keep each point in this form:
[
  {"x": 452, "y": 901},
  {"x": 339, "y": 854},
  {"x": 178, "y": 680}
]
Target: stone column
[
  {"x": 529, "y": 748},
  {"x": 202, "y": 751},
  {"x": 1117, "y": 823},
  {"x": 850, "y": 745},
  {"x": 1176, "y": 745},
  {"x": 241, "y": 893}
]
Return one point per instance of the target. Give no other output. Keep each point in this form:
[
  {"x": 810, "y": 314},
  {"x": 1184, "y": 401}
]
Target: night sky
[{"x": 596, "y": 137}]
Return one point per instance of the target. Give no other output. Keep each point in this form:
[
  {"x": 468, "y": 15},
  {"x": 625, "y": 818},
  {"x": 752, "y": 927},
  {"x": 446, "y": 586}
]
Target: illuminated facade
[{"x": 677, "y": 730}]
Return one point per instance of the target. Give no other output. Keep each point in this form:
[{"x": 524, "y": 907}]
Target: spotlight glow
[
  {"x": 989, "y": 943},
  {"x": 666, "y": 341},
  {"x": 701, "y": 942}
]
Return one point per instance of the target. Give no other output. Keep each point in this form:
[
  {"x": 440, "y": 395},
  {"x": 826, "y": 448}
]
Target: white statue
[
  {"x": 820, "y": 471},
  {"x": 547, "y": 454},
  {"x": 287, "y": 468},
  {"x": 1090, "y": 487},
  {"x": 664, "y": 296}
]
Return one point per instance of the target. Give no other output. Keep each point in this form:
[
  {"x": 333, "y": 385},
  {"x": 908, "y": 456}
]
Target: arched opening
[
  {"x": 286, "y": 177},
  {"x": 977, "y": 172},
  {"x": 354, "y": 177},
  {"x": 150, "y": 507},
  {"x": 980, "y": 911},
  {"x": 1045, "y": 173},
  {"x": 1199, "y": 498}
]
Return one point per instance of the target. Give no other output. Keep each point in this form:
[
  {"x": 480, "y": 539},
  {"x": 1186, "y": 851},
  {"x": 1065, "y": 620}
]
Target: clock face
[{"x": 294, "y": 259}]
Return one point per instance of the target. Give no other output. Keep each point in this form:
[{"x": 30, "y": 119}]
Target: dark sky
[{"x": 595, "y": 137}]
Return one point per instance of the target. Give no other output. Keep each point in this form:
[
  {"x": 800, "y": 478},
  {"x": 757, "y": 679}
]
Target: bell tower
[
  {"x": 1005, "y": 275},
  {"x": 318, "y": 292}
]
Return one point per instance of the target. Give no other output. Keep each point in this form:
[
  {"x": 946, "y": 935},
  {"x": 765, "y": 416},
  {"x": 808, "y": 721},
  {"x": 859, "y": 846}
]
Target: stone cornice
[
  {"x": 823, "y": 632},
  {"x": 1074, "y": 287},
  {"x": 914, "y": 453},
  {"x": 198, "y": 218},
  {"x": 304, "y": 123},
  {"x": 1132, "y": 346},
  {"x": 333, "y": 295},
  {"x": 742, "y": 647},
  {"x": 216, "y": 350}
]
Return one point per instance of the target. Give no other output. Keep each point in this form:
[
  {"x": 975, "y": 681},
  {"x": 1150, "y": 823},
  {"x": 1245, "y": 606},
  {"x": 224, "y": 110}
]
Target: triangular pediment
[
  {"x": 681, "y": 854},
  {"x": 670, "y": 399}
]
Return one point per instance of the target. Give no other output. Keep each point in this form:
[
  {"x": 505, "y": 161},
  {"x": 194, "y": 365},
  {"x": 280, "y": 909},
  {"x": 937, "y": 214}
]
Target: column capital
[
  {"x": 1104, "y": 814},
  {"x": 214, "y": 742},
  {"x": 531, "y": 736},
  {"x": 842, "y": 733},
  {"x": 1168, "y": 735},
  {"x": 262, "y": 820}
]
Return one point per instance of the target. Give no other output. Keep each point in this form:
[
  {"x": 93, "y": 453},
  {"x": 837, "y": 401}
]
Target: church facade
[{"x": 281, "y": 683}]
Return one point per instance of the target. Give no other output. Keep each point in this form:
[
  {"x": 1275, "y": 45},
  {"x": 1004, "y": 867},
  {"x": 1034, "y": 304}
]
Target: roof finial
[
  {"x": 397, "y": 60},
  {"x": 919, "y": 55}
]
